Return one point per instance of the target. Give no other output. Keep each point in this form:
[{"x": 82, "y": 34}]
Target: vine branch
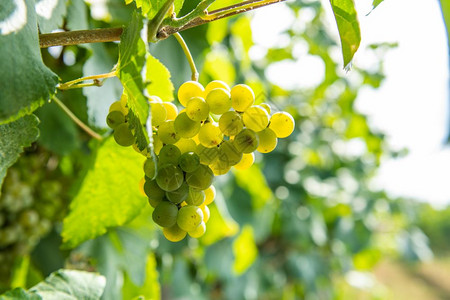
[{"x": 169, "y": 26}]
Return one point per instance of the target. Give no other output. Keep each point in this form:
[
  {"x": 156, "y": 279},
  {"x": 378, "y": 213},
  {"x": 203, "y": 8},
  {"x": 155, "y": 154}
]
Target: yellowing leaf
[
  {"x": 159, "y": 79},
  {"x": 218, "y": 226},
  {"x": 244, "y": 250},
  {"x": 109, "y": 195},
  {"x": 348, "y": 26}
]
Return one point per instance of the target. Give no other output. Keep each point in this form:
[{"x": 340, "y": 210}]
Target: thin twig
[
  {"x": 73, "y": 83},
  {"x": 76, "y": 120},
  {"x": 189, "y": 57}
]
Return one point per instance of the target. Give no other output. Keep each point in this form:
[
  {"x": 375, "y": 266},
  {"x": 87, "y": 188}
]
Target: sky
[{"x": 412, "y": 105}]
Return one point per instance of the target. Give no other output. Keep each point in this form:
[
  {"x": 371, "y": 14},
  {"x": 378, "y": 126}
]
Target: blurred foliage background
[{"x": 305, "y": 222}]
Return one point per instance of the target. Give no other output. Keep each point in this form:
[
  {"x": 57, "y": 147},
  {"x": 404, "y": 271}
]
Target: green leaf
[
  {"x": 71, "y": 285},
  {"x": 132, "y": 52},
  {"x": 77, "y": 17},
  {"x": 19, "y": 294},
  {"x": 159, "y": 79},
  {"x": 150, "y": 289},
  {"x": 131, "y": 61},
  {"x": 14, "y": 137},
  {"x": 50, "y": 14},
  {"x": 445, "y": 7},
  {"x": 151, "y": 7},
  {"x": 134, "y": 123},
  {"x": 62, "y": 285},
  {"x": 109, "y": 195},
  {"x": 348, "y": 26},
  {"x": 375, "y": 3},
  {"x": 27, "y": 83}
]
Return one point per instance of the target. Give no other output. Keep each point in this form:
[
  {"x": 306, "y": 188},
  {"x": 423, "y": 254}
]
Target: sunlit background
[{"x": 412, "y": 104}]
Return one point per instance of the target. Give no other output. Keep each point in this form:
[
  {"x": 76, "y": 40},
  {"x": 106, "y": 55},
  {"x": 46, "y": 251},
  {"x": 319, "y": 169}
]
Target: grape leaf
[
  {"x": 109, "y": 194},
  {"x": 131, "y": 61},
  {"x": 121, "y": 252},
  {"x": 62, "y": 285},
  {"x": 132, "y": 52},
  {"x": 159, "y": 79},
  {"x": 142, "y": 140},
  {"x": 375, "y": 3},
  {"x": 348, "y": 26},
  {"x": 25, "y": 82},
  {"x": 14, "y": 137},
  {"x": 71, "y": 284},
  {"x": 77, "y": 18},
  {"x": 245, "y": 250},
  {"x": 19, "y": 294},
  {"x": 50, "y": 14},
  {"x": 151, "y": 7}
]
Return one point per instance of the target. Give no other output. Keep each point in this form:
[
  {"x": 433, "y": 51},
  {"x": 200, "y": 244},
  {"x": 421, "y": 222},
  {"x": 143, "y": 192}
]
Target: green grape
[
  {"x": 123, "y": 135},
  {"x": 206, "y": 155},
  {"x": 210, "y": 194},
  {"x": 188, "y": 90},
  {"x": 169, "y": 154},
  {"x": 267, "y": 107},
  {"x": 246, "y": 141},
  {"x": 167, "y": 133},
  {"x": 29, "y": 218},
  {"x": 179, "y": 195},
  {"x": 230, "y": 123},
  {"x": 195, "y": 197},
  {"x": 201, "y": 178},
  {"x": 256, "y": 118},
  {"x": 199, "y": 231},
  {"x": 189, "y": 217},
  {"x": 171, "y": 110},
  {"x": 150, "y": 168},
  {"x": 242, "y": 97},
  {"x": 189, "y": 161},
  {"x": 228, "y": 154},
  {"x": 216, "y": 84},
  {"x": 154, "y": 193},
  {"x": 186, "y": 145},
  {"x": 158, "y": 112},
  {"x": 206, "y": 212},
  {"x": 174, "y": 233},
  {"x": 219, "y": 167},
  {"x": 119, "y": 106},
  {"x": 185, "y": 127},
  {"x": 197, "y": 109},
  {"x": 210, "y": 135},
  {"x": 157, "y": 143},
  {"x": 267, "y": 140},
  {"x": 219, "y": 101},
  {"x": 282, "y": 123},
  {"x": 115, "y": 118},
  {"x": 246, "y": 162},
  {"x": 165, "y": 214},
  {"x": 169, "y": 177}
]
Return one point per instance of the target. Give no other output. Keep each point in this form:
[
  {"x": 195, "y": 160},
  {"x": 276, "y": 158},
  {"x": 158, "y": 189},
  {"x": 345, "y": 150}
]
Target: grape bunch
[
  {"x": 32, "y": 200},
  {"x": 217, "y": 129}
]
